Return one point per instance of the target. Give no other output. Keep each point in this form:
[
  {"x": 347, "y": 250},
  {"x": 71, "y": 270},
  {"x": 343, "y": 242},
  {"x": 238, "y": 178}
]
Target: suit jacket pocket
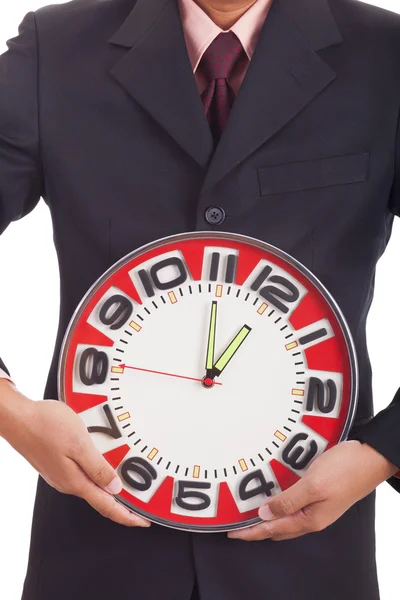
[{"x": 311, "y": 174}]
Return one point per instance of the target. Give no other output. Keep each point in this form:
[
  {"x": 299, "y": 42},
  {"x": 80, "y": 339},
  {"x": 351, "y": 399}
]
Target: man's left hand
[{"x": 335, "y": 480}]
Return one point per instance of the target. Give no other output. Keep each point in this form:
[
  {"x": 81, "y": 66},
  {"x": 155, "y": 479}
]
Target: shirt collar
[{"x": 200, "y": 30}]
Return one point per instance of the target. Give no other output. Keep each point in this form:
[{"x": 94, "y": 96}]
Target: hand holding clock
[
  {"x": 336, "y": 480},
  {"x": 57, "y": 444}
]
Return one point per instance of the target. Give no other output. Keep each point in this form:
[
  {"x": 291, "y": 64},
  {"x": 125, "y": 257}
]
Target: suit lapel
[
  {"x": 284, "y": 75},
  {"x": 157, "y": 73}
]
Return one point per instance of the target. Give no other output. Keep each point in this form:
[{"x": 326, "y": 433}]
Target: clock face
[{"x": 210, "y": 369}]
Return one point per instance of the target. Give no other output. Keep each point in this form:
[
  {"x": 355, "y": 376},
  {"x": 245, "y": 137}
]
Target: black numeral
[
  {"x": 185, "y": 492},
  {"x": 297, "y": 456},
  {"x": 274, "y": 294},
  {"x": 140, "y": 467},
  {"x": 324, "y": 400},
  {"x": 93, "y": 366},
  {"x": 112, "y": 430},
  {"x": 263, "y": 487},
  {"x": 151, "y": 279},
  {"x": 230, "y": 267},
  {"x": 116, "y": 311},
  {"x": 313, "y": 336}
]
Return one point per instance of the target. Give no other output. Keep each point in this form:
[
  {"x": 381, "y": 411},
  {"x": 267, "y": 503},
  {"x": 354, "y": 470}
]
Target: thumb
[
  {"x": 98, "y": 469},
  {"x": 288, "y": 502}
]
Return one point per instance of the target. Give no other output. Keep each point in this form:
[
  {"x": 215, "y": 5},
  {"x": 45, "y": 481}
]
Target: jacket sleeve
[
  {"x": 21, "y": 181},
  {"x": 382, "y": 432}
]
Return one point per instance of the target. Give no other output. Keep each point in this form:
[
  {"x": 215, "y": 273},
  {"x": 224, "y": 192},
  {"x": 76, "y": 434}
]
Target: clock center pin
[{"x": 208, "y": 382}]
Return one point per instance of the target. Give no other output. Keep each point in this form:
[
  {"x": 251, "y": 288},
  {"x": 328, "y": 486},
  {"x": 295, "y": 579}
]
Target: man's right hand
[{"x": 57, "y": 444}]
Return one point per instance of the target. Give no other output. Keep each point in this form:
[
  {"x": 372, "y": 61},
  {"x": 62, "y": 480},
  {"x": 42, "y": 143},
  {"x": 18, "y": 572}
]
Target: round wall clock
[{"x": 211, "y": 369}]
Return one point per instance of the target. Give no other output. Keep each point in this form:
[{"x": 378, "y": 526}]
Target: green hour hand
[
  {"x": 230, "y": 351},
  {"x": 211, "y": 340}
]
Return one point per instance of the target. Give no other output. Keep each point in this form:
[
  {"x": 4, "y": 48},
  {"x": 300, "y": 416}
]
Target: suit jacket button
[{"x": 215, "y": 215}]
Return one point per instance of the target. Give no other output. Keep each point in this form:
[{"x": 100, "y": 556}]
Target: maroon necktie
[{"x": 217, "y": 64}]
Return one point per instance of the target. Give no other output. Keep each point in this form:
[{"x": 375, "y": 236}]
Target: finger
[
  {"x": 110, "y": 508},
  {"x": 98, "y": 469},
  {"x": 291, "y": 526},
  {"x": 104, "y": 503},
  {"x": 292, "y": 500}
]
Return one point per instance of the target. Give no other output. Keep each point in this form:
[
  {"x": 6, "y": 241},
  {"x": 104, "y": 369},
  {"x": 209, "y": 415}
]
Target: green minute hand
[
  {"x": 211, "y": 340},
  {"x": 230, "y": 351}
]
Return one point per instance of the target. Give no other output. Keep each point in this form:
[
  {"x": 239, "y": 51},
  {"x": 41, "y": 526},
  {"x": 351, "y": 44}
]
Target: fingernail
[
  {"x": 265, "y": 513},
  {"x": 114, "y": 487},
  {"x": 233, "y": 535}
]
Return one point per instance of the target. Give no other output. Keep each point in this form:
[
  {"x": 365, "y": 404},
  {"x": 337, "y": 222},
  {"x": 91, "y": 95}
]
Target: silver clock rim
[{"x": 237, "y": 237}]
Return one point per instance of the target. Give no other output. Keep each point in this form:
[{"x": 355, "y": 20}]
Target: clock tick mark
[
  {"x": 205, "y": 473},
  {"x": 180, "y": 291},
  {"x": 190, "y": 289},
  {"x": 144, "y": 448},
  {"x": 186, "y": 471},
  {"x": 215, "y": 474},
  {"x": 282, "y": 328},
  {"x": 116, "y": 398},
  {"x": 261, "y": 457},
  {"x": 163, "y": 299},
  {"x": 209, "y": 288},
  {"x": 255, "y": 301},
  {"x": 168, "y": 465},
  {"x": 238, "y": 293},
  {"x": 123, "y": 341},
  {"x": 275, "y": 444},
  {"x": 199, "y": 288},
  {"x": 295, "y": 411},
  {"x": 128, "y": 332},
  {"x": 228, "y": 291},
  {"x": 131, "y": 434},
  {"x": 119, "y": 350},
  {"x": 288, "y": 336},
  {"x": 125, "y": 426},
  {"x": 114, "y": 379},
  {"x": 115, "y": 389},
  {"x": 300, "y": 382},
  {"x": 247, "y": 297},
  {"x": 225, "y": 473},
  {"x": 117, "y": 359},
  {"x": 291, "y": 420},
  {"x": 118, "y": 408},
  {"x": 300, "y": 372},
  {"x": 299, "y": 401},
  {"x": 147, "y": 310},
  {"x": 139, "y": 317},
  {"x": 177, "y": 469},
  {"x": 252, "y": 462},
  {"x": 159, "y": 460},
  {"x": 271, "y": 313},
  {"x": 234, "y": 470},
  {"x": 299, "y": 363},
  {"x": 154, "y": 304},
  {"x": 278, "y": 319},
  {"x": 287, "y": 429},
  {"x": 296, "y": 353},
  {"x": 137, "y": 442},
  {"x": 269, "y": 451}
]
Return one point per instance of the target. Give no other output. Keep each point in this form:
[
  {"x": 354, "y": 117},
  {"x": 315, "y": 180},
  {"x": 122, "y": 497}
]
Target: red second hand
[{"x": 123, "y": 366}]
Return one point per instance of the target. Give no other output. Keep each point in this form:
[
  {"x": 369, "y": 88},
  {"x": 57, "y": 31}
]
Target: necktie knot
[{"x": 221, "y": 56}]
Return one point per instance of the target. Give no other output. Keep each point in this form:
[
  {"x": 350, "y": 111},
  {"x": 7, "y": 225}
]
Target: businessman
[{"x": 137, "y": 119}]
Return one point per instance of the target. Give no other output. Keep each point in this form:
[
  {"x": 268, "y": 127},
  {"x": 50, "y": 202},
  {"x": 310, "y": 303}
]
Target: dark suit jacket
[{"x": 100, "y": 115}]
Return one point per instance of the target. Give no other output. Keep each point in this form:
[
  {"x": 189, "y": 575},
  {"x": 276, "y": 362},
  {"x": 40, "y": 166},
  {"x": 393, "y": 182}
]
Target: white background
[{"x": 28, "y": 321}]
